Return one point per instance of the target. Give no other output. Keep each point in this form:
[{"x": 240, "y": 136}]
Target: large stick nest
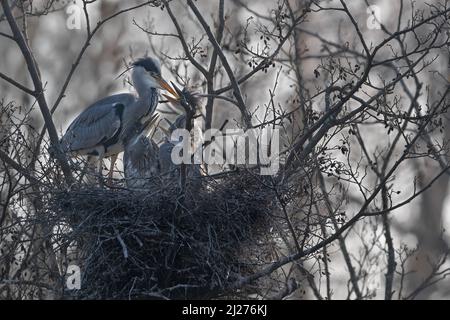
[{"x": 155, "y": 244}]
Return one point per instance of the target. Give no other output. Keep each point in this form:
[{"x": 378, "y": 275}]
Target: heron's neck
[{"x": 143, "y": 84}]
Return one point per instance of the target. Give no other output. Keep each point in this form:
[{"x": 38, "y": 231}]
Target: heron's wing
[{"x": 98, "y": 124}]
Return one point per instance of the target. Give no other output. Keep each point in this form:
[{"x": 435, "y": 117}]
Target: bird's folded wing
[{"x": 95, "y": 125}]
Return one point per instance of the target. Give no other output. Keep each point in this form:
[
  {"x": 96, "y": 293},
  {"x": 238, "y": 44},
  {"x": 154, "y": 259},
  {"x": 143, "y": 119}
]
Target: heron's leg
[
  {"x": 100, "y": 167},
  {"x": 89, "y": 170},
  {"x": 113, "y": 160}
]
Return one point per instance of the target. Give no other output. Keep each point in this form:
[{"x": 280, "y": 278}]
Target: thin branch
[
  {"x": 38, "y": 91},
  {"x": 17, "y": 84},
  {"x": 183, "y": 41},
  {"x": 212, "y": 67},
  {"x": 236, "y": 90},
  {"x": 5, "y": 158}
]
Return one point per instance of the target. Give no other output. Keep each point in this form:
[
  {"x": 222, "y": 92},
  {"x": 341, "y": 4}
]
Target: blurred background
[{"x": 297, "y": 75}]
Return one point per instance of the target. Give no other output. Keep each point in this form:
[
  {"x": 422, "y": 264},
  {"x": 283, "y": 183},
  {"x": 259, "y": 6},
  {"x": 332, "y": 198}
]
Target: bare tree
[{"x": 361, "y": 107}]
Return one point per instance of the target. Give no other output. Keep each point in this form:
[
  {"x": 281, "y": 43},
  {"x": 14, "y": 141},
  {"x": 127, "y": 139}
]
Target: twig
[{"x": 38, "y": 91}]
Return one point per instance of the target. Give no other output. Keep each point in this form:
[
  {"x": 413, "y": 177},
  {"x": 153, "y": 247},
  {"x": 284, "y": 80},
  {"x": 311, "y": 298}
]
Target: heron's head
[
  {"x": 149, "y": 70},
  {"x": 180, "y": 123},
  {"x": 184, "y": 99}
]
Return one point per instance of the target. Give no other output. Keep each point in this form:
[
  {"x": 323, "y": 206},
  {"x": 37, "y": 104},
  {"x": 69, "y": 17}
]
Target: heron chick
[
  {"x": 141, "y": 158},
  {"x": 169, "y": 171}
]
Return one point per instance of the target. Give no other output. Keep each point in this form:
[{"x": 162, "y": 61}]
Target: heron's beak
[
  {"x": 171, "y": 99},
  {"x": 153, "y": 120},
  {"x": 148, "y": 124},
  {"x": 165, "y": 131},
  {"x": 164, "y": 85},
  {"x": 177, "y": 96}
]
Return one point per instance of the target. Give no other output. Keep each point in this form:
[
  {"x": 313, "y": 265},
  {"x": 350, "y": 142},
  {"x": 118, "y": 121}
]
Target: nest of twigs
[{"x": 159, "y": 244}]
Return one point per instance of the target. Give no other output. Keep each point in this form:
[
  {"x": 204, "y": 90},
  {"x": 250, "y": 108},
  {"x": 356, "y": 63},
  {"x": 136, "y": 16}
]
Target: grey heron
[
  {"x": 141, "y": 159},
  {"x": 99, "y": 129},
  {"x": 169, "y": 170},
  {"x": 165, "y": 150}
]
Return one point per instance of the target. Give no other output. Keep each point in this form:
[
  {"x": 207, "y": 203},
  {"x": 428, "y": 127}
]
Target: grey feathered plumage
[
  {"x": 170, "y": 172},
  {"x": 99, "y": 129},
  {"x": 96, "y": 125},
  {"x": 141, "y": 163}
]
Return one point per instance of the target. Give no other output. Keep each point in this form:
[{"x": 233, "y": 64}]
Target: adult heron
[{"x": 99, "y": 130}]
